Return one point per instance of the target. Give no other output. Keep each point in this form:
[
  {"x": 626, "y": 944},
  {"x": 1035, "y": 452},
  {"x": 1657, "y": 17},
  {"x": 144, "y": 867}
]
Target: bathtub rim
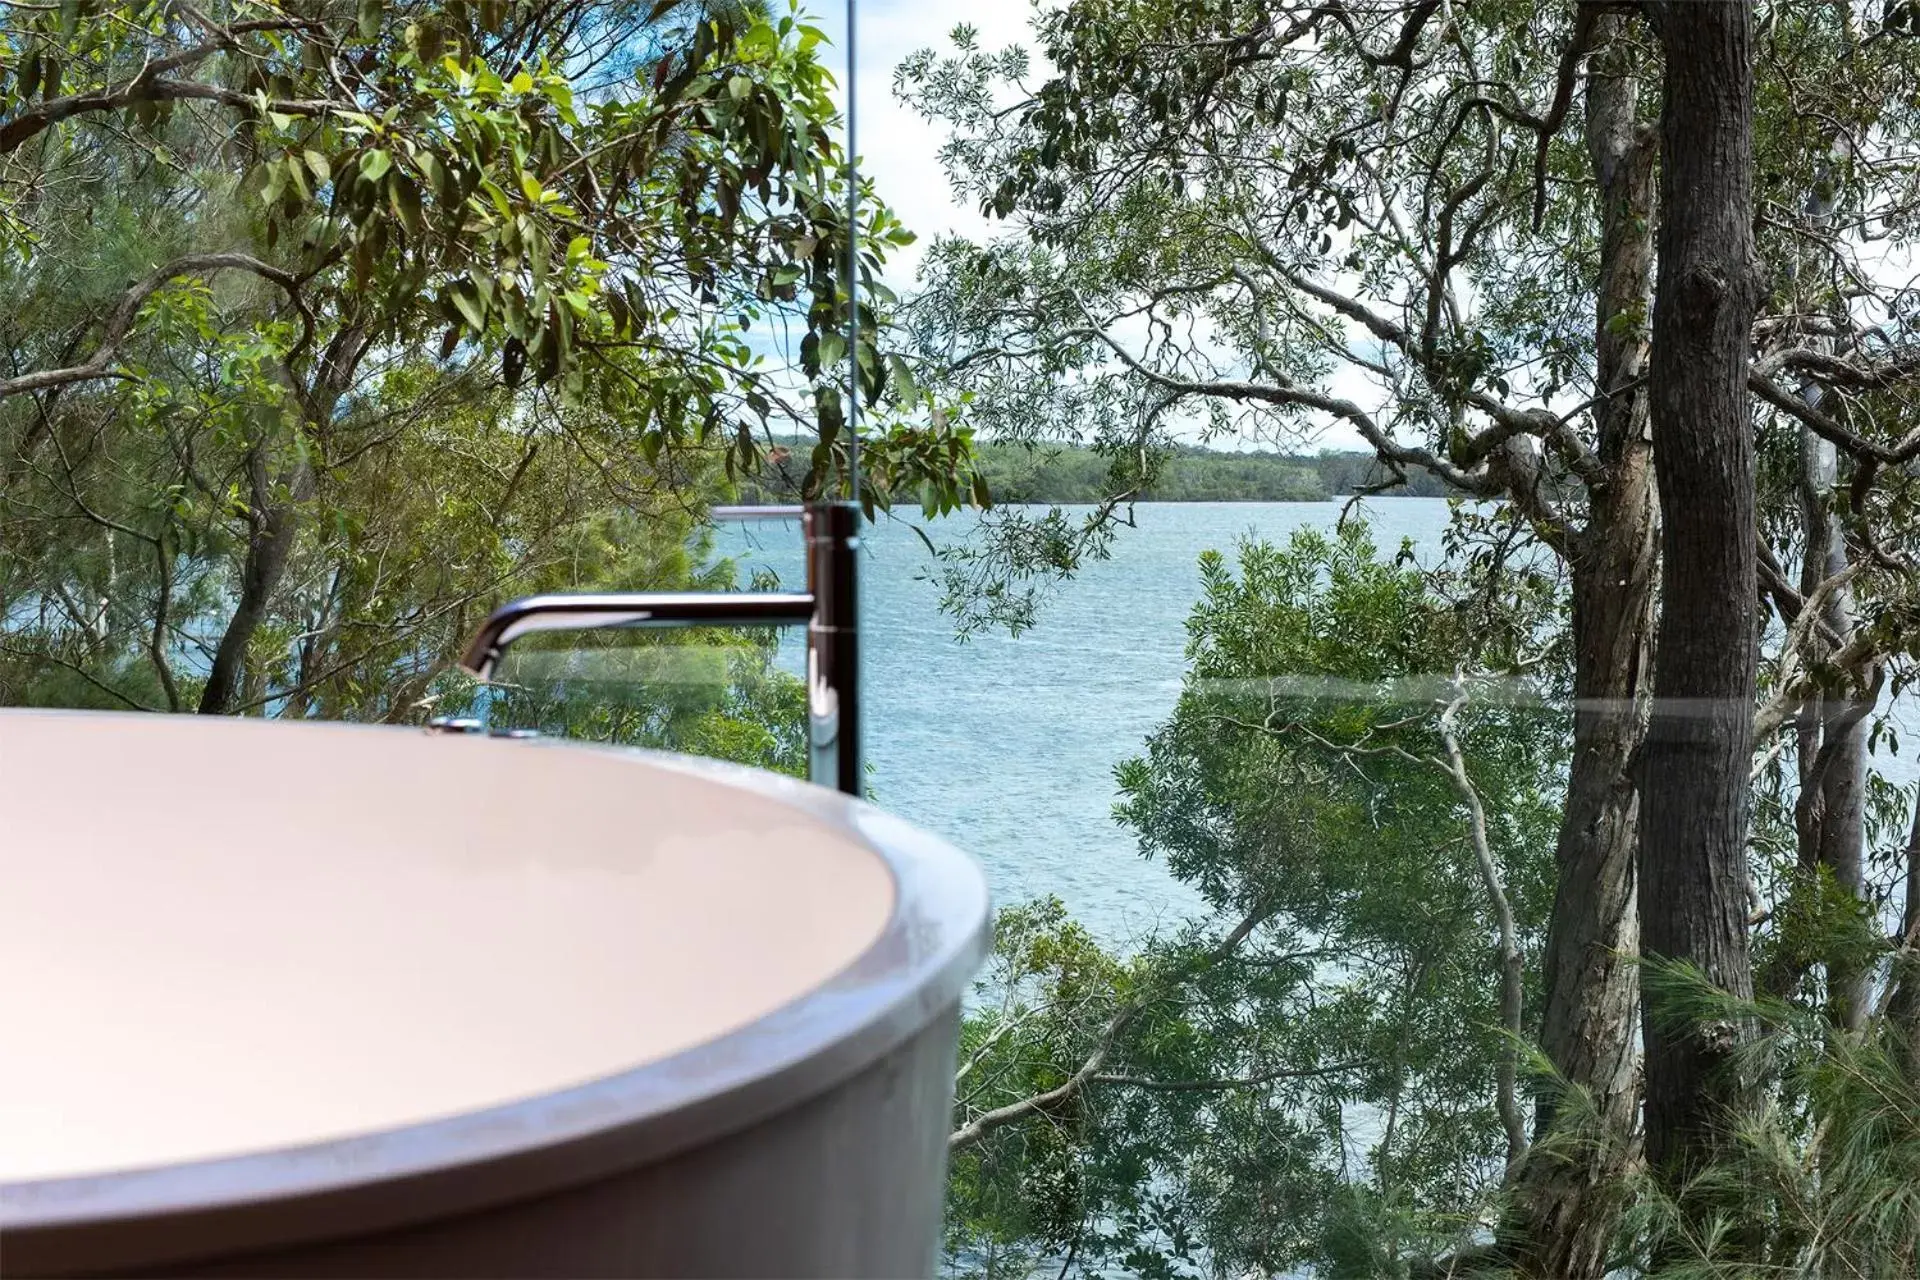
[{"x": 915, "y": 971}]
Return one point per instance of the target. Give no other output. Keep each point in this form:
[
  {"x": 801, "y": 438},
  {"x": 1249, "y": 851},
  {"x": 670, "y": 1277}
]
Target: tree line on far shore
[{"x": 1020, "y": 474}]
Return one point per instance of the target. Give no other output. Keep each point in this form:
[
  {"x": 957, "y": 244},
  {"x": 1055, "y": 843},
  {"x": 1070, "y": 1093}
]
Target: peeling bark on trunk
[
  {"x": 1695, "y": 796},
  {"x": 1568, "y": 1196}
]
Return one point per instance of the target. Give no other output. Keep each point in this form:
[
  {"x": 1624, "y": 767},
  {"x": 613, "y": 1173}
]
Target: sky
[{"x": 900, "y": 151}]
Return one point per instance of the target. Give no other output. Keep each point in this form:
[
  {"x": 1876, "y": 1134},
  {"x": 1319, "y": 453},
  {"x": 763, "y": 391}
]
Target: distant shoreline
[
  {"x": 1017, "y": 475},
  {"x": 764, "y": 501},
  {"x": 1214, "y": 502}
]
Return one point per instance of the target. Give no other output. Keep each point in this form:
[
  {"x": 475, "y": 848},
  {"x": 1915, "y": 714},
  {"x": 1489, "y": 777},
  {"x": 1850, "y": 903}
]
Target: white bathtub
[{"x": 325, "y": 1000}]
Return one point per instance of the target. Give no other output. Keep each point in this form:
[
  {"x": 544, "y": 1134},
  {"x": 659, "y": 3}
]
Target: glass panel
[
  {"x": 293, "y": 394},
  {"x": 1354, "y": 720},
  {"x": 698, "y": 691},
  {"x": 733, "y": 693}
]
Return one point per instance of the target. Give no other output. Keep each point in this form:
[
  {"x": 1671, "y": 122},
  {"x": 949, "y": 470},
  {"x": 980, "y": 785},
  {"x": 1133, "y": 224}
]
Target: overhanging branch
[
  {"x": 1905, "y": 450},
  {"x": 120, "y": 320}
]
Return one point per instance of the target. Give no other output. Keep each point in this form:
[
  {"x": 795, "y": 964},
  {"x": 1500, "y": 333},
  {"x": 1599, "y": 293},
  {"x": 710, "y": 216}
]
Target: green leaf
[
  {"x": 317, "y": 163},
  {"x": 498, "y": 197},
  {"x": 369, "y": 19},
  {"x": 900, "y": 374},
  {"x": 297, "y": 179},
  {"x": 833, "y": 349},
  {"x": 537, "y": 263},
  {"x": 438, "y": 177},
  {"x": 466, "y": 300},
  {"x": 374, "y": 165},
  {"x": 404, "y": 197}
]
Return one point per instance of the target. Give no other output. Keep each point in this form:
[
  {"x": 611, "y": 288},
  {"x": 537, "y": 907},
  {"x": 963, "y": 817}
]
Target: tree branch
[
  {"x": 120, "y": 319},
  {"x": 1585, "y": 17},
  {"x": 1511, "y": 974},
  {"x": 1787, "y": 703},
  {"x": 149, "y": 86},
  {"x": 1828, "y": 428},
  {"x": 1507, "y": 420},
  {"x": 971, "y": 1133},
  {"x": 44, "y": 656},
  {"x": 1478, "y": 483},
  {"x": 1237, "y": 1082}
]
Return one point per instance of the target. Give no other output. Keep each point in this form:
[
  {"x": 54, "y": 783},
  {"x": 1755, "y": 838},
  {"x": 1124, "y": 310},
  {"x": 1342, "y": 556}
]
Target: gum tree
[{"x": 1440, "y": 227}]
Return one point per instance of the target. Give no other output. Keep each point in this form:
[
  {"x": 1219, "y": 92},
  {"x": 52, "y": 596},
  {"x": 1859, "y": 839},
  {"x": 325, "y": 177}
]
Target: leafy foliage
[
  {"x": 1826, "y": 1180},
  {"x": 1306, "y": 1076},
  {"x": 327, "y": 327}
]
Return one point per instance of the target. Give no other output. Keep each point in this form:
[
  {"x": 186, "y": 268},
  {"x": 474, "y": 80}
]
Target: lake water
[{"x": 1006, "y": 745}]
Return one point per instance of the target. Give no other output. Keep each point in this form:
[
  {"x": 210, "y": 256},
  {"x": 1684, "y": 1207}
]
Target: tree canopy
[
  {"x": 329, "y": 325},
  {"x": 1561, "y": 917},
  {"x": 1508, "y": 247}
]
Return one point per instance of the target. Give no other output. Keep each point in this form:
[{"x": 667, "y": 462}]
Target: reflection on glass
[{"x": 703, "y": 692}]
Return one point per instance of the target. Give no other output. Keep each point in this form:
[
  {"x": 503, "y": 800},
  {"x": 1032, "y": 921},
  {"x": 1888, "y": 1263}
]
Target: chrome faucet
[{"x": 828, "y": 608}]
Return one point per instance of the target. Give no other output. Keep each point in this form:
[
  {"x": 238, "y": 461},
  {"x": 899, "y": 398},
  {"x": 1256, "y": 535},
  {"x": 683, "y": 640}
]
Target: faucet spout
[
  {"x": 829, "y": 609},
  {"x": 628, "y": 609}
]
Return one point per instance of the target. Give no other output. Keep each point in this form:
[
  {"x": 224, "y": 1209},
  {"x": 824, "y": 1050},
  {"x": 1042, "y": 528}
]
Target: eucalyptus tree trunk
[
  {"x": 1903, "y": 999},
  {"x": 1568, "y": 1195},
  {"x": 1830, "y": 731},
  {"x": 274, "y": 525},
  {"x": 1833, "y": 779},
  {"x": 278, "y": 505},
  {"x": 1830, "y": 816},
  {"x": 1695, "y": 801}
]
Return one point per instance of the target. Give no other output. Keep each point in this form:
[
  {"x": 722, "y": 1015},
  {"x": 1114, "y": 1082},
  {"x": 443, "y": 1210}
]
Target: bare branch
[
  {"x": 1839, "y": 372},
  {"x": 1507, "y": 421},
  {"x": 1455, "y": 766},
  {"x": 1479, "y": 483},
  {"x": 1585, "y": 17},
  {"x": 1797, "y": 683},
  {"x": 1825, "y": 426}
]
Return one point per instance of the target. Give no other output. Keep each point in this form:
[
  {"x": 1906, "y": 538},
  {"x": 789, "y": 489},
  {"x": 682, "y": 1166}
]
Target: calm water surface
[{"x": 1006, "y": 745}]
